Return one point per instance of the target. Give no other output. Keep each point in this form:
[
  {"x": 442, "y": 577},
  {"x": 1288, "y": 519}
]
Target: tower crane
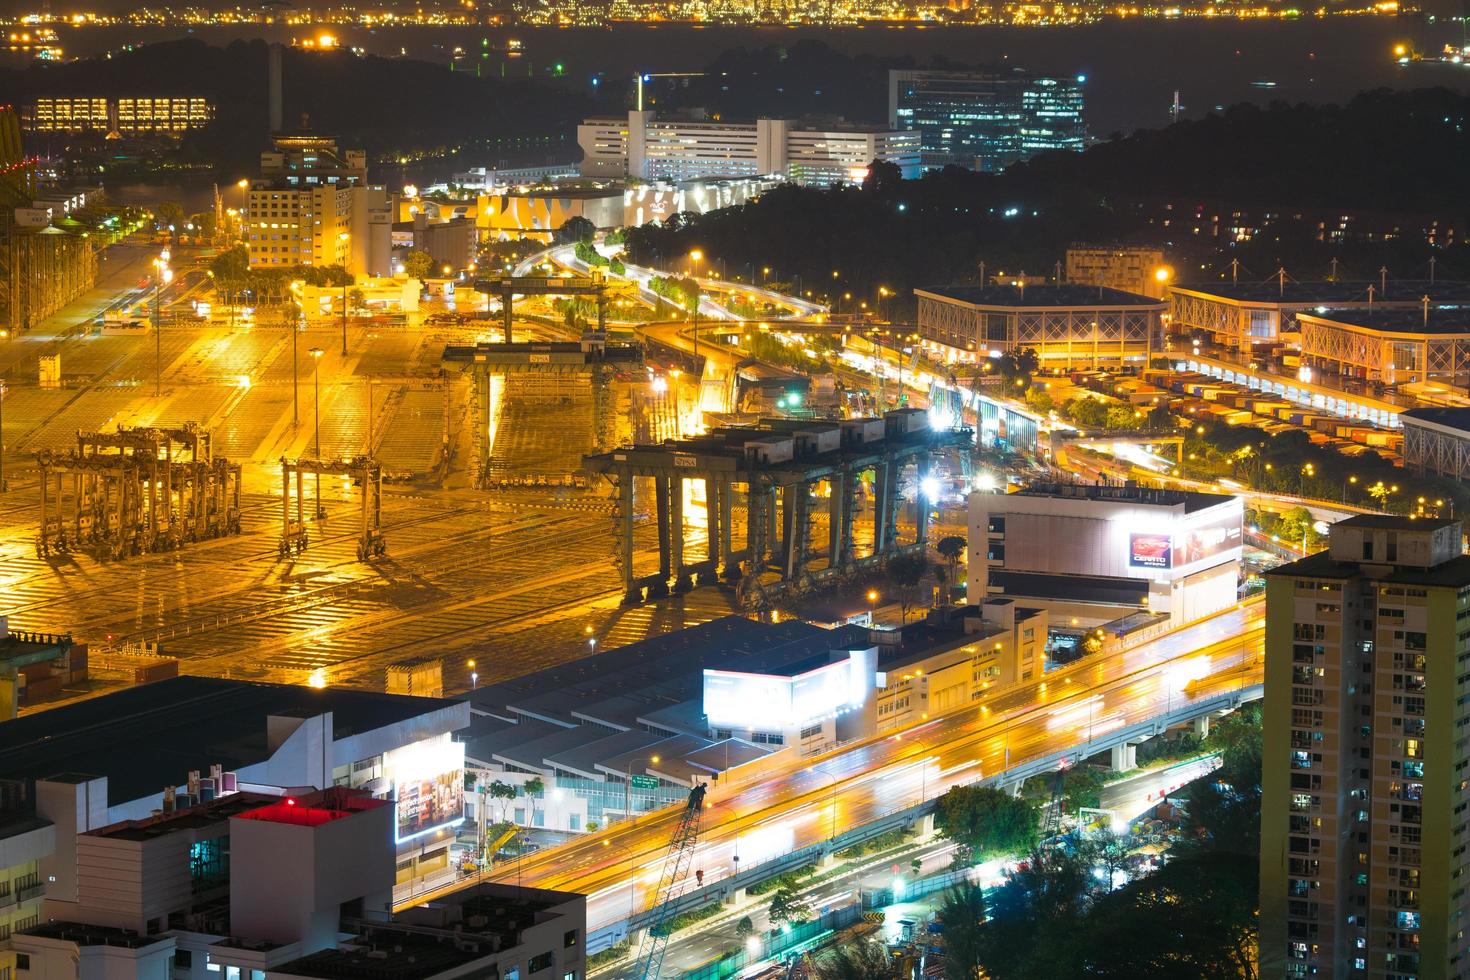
[{"x": 676, "y": 868}]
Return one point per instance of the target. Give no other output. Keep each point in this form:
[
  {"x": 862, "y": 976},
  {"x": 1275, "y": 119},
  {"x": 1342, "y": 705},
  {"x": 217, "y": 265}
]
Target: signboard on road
[{"x": 645, "y": 782}]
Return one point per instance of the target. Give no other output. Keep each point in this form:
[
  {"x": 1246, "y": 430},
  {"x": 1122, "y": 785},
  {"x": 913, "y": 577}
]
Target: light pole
[
  {"x": 832, "y": 833},
  {"x": 165, "y": 275},
  {"x": 474, "y": 675},
  {"x": 628, "y": 784},
  {"x": 316, "y": 421},
  {"x": 291, "y": 314},
  {"x": 694, "y": 259}
]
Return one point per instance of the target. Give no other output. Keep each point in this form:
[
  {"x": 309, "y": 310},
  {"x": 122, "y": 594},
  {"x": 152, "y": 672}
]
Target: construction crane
[{"x": 676, "y": 868}]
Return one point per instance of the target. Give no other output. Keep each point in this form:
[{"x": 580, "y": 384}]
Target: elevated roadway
[{"x": 1070, "y": 714}]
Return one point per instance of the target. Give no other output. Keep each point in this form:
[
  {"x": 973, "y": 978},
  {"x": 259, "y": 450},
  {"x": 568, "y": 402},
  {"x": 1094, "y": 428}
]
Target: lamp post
[
  {"x": 628, "y": 784},
  {"x": 316, "y": 421},
  {"x": 695, "y": 256},
  {"x": 474, "y": 675},
  {"x": 291, "y": 315},
  {"x": 165, "y": 275}
]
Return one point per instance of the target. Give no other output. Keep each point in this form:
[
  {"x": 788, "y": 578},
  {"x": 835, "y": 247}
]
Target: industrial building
[
  {"x": 124, "y": 116},
  {"x": 1437, "y": 440},
  {"x": 986, "y": 120},
  {"x": 1094, "y": 554},
  {"x": 1242, "y": 315},
  {"x": 1362, "y": 814},
  {"x": 636, "y": 728},
  {"x": 1067, "y": 326},
  {"x": 295, "y": 885},
  {"x": 167, "y": 745},
  {"x": 537, "y": 211},
  {"x": 671, "y": 149},
  {"x": 1403, "y": 346},
  {"x": 312, "y": 205},
  {"x": 451, "y": 242}
]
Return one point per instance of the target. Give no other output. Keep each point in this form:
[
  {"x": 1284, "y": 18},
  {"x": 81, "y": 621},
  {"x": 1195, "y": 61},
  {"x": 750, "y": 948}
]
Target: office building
[
  {"x": 1363, "y": 814},
  {"x": 986, "y": 120},
  {"x": 1131, "y": 268},
  {"x": 123, "y": 116},
  {"x": 1067, "y": 326},
  {"x": 451, "y": 242},
  {"x": 169, "y": 744},
  {"x": 674, "y": 149},
  {"x": 1094, "y": 554},
  {"x": 299, "y": 885},
  {"x": 312, "y": 205}
]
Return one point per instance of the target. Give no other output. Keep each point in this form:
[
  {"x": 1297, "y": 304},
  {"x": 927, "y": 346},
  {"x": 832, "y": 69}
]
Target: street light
[
  {"x": 474, "y": 675},
  {"x": 316, "y": 421},
  {"x": 628, "y": 784},
  {"x": 165, "y": 275},
  {"x": 695, "y": 257}
]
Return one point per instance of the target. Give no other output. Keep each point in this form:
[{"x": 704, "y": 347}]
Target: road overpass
[{"x": 773, "y": 819}]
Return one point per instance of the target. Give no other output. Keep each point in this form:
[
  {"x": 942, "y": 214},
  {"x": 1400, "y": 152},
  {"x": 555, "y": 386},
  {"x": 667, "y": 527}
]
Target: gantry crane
[
  {"x": 676, "y": 869},
  {"x": 364, "y": 471}
]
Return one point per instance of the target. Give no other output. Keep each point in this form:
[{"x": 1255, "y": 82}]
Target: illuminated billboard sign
[
  {"x": 1150, "y": 551},
  {"x": 1213, "y": 538},
  {"x": 777, "y": 702},
  {"x": 428, "y": 783}
]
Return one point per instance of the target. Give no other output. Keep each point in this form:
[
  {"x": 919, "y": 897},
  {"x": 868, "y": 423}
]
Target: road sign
[{"x": 645, "y": 782}]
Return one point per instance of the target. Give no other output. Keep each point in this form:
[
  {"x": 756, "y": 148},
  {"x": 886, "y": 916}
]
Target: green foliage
[
  {"x": 1171, "y": 746},
  {"x": 534, "y": 788},
  {"x": 681, "y": 293},
  {"x": 1237, "y": 737},
  {"x": 884, "y": 841},
  {"x": 788, "y": 908},
  {"x": 905, "y": 572},
  {"x": 616, "y": 267},
  {"x": 417, "y": 265},
  {"x": 576, "y": 230},
  {"x": 589, "y": 255},
  {"x": 744, "y": 927},
  {"x": 615, "y": 237},
  {"x": 962, "y": 914},
  {"x": 612, "y": 954},
  {"x": 789, "y": 879},
  {"x": 857, "y": 959},
  {"x": 686, "y": 919},
  {"x": 767, "y": 348},
  {"x": 1082, "y": 787},
  {"x": 989, "y": 821},
  {"x": 1086, "y": 412},
  {"x": 1040, "y": 400}
]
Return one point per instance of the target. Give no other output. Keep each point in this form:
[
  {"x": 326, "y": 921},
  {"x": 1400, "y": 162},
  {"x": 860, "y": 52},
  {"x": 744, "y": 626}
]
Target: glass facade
[{"x": 987, "y": 120}]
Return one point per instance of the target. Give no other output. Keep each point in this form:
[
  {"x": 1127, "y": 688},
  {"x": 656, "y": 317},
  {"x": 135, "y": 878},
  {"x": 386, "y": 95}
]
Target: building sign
[
  {"x": 1214, "y": 538},
  {"x": 428, "y": 783},
  {"x": 1150, "y": 551}
]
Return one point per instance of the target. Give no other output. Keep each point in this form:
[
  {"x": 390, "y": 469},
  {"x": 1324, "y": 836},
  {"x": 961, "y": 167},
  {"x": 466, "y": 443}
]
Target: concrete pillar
[
  {"x": 836, "y": 504},
  {"x": 1202, "y": 726},
  {"x": 828, "y": 860},
  {"x": 921, "y": 505},
  {"x": 725, "y": 491},
  {"x": 625, "y": 535},
  {"x": 661, "y": 506},
  {"x": 1125, "y": 757},
  {"x": 682, "y": 582},
  {"x": 926, "y": 826},
  {"x": 736, "y": 897}
]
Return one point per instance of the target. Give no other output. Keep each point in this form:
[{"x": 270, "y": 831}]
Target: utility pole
[
  {"x": 316, "y": 421},
  {"x": 344, "y": 321}
]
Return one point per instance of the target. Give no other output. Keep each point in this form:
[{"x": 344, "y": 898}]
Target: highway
[{"x": 750, "y": 822}]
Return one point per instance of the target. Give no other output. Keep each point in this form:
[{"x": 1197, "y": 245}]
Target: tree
[
  {"x": 962, "y": 915},
  {"x": 787, "y": 908},
  {"x": 1081, "y": 787},
  {"x": 416, "y": 265},
  {"x": 575, "y": 229},
  {"x": 883, "y": 178},
  {"x": 989, "y": 821},
  {"x": 170, "y": 213},
  {"x": 534, "y": 789},
  {"x": 745, "y": 927},
  {"x": 1087, "y": 412},
  {"x": 951, "y": 548},
  {"x": 861, "y": 959},
  {"x": 504, "y": 792},
  {"x": 906, "y": 572}
]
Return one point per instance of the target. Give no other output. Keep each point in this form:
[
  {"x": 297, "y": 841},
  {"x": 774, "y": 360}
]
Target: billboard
[
  {"x": 1150, "y": 551},
  {"x": 777, "y": 702},
  {"x": 428, "y": 783},
  {"x": 1210, "y": 539}
]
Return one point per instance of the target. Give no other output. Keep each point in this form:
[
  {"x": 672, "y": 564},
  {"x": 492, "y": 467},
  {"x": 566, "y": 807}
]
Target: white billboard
[
  {"x": 776, "y": 702},
  {"x": 428, "y": 784}
]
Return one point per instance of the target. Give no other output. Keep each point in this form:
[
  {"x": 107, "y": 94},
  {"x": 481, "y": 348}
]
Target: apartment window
[
  {"x": 184, "y": 959},
  {"x": 569, "y": 939},
  {"x": 22, "y": 961},
  {"x": 540, "y": 962}
]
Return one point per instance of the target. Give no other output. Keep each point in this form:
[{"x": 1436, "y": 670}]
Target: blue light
[{"x": 1081, "y": 79}]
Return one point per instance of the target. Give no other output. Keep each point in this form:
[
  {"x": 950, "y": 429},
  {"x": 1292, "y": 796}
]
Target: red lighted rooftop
[{"x": 315, "y": 809}]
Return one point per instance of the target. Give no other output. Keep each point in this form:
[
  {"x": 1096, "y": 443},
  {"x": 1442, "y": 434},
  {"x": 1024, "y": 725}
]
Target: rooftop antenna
[
  {"x": 1057, "y": 273},
  {"x": 1022, "y": 283},
  {"x": 1425, "y": 301},
  {"x": 982, "y": 272},
  {"x": 1333, "y": 274},
  {"x": 1281, "y": 280},
  {"x": 1175, "y": 108},
  {"x": 1370, "y": 296},
  {"x": 1431, "y": 270},
  {"x": 1383, "y": 279},
  {"x": 1234, "y": 271}
]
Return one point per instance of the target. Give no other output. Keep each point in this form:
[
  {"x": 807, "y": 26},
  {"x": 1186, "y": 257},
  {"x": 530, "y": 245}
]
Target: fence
[{"x": 777, "y": 943}]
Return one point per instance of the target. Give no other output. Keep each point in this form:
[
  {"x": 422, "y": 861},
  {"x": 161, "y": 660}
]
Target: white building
[
  {"x": 1093, "y": 554},
  {"x": 649, "y": 148}
]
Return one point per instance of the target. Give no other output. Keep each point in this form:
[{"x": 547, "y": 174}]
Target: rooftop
[
  {"x": 1454, "y": 573},
  {"x": 1041, "y": 297},
  {"x": 1441, "y": 321},
  {"x": 150, "y": 736},
  {"x": 215, "y": 812},
  {"x": 1405, "y": 291},
  {"x": 1193, "y": 500},
  {"x": 1450, "y": 418},
  {"x": 315, "y": 809},
  {"x": 89, "y": 935},
  {"x": 1393, "y": 522}
]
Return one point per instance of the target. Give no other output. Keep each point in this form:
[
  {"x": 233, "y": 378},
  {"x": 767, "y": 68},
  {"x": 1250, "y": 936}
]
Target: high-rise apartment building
[
  {"x": 163, "y": 115},
  {"x": 987, "y": 120},
  {"x": 674, "y": 149},
  {"x": 312, "y": 205},
  {"x": 1366, "y": 813}
]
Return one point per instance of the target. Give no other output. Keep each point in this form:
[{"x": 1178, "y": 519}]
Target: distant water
[{"x": 1133, "y": 67}]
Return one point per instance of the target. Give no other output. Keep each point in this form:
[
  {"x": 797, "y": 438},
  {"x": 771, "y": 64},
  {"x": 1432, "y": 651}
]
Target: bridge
[{"x": 786, "y": 811}]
